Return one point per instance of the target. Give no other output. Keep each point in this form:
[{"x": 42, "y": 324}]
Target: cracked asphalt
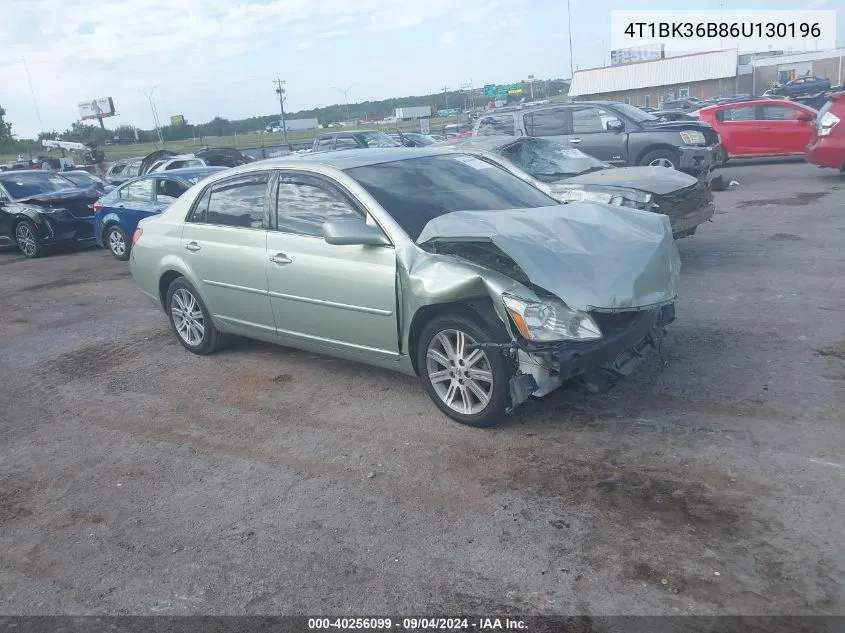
[{"x": 136, "y": 478}]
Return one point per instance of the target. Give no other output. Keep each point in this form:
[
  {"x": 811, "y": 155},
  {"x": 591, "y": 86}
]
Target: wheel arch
[
  {"x": 479, "y": 309},
  {"x": 167, "y": 278},
  {"x": 656, "y": 147}
]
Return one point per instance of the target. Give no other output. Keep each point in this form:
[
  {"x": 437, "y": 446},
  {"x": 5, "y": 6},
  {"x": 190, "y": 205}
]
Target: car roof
[
  {"x": 182, "y": 172},
  {"x": 350, "y": 158}
]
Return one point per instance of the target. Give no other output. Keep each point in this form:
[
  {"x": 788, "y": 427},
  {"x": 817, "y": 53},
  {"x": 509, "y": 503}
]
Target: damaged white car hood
[{"x": 591, "y": 256}]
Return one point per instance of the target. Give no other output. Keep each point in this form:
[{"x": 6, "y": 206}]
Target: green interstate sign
[{"x": 493, "y": 90}]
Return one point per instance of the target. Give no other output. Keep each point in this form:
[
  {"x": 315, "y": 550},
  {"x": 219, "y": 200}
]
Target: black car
[
  {"x": 356, "y": 139},
  {"x": 616, "y": 133},
  {"x": 84, "y": 179},
  {"x": 40, "y": 208},
  {"x": 570, "y": 175}
]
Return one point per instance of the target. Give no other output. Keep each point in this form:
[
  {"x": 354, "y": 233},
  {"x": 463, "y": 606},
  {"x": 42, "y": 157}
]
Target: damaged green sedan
[{"x": 427, "y": 261}]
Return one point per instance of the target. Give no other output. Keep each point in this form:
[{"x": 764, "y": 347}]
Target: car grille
[
  {"x": 615, "y": 322},
  {"x": 684, "y": 201}
]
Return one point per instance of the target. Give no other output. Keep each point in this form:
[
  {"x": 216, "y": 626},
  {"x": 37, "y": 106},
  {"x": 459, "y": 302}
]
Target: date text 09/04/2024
[
  {"x": 416, "y": 624},
  {"x": 722, "y": 29}
]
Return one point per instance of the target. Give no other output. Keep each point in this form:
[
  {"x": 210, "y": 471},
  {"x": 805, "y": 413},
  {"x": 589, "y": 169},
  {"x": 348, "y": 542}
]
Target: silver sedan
[{"x": 426, "y": 261}]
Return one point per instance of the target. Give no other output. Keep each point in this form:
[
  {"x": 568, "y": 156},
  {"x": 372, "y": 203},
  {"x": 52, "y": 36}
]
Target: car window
[
  {"x": 140, "y": 190},
  {"x": 198, "y": 213},
  {"x": 325, "y": 143},
  {"x": 742, "y": 113},
  {"x": 416, "y": 190},
  {"x": 549, "y": 161},
  {"x": 116, "y": 169},
  {"x": 376, "y": 139},
  {"x": 238, "y": 202},
  {"x": 591, "y": 120},
  {"x": 346, "y": 142},
  {"x": 780, "y": 113},
  {"x": 496, "y": 125},
  {"x": 23, "y": 185},
  {"x": 168, "y": 190},
  {"x": 304, "y": 204},
  {"x": 548, "y": 122},
  {"x": 133, "y": 170}
]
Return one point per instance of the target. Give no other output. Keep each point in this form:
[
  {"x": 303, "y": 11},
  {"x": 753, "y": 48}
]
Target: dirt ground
[{"x": 136, "y": 478}]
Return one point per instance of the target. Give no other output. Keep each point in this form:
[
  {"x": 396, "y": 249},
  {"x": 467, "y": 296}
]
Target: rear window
[
  {"x": 25, "y": 185},
  {"x": 417, "y": 190}
]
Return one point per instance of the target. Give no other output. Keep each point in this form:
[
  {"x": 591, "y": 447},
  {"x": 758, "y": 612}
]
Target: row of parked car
[{"x": 441, "y": 261}]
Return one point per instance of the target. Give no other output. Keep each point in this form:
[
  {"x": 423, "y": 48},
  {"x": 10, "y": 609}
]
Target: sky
[{"x": 204, "y": 58}]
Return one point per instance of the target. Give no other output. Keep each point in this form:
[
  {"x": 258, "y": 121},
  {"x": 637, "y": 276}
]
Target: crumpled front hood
[
  {"x": 656, "y": 180},
  {"x": 63, "y": 195},
  {"x": 591, "y": 256}
]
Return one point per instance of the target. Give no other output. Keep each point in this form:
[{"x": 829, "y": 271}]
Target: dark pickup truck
[{"x": 616, "y": 133}]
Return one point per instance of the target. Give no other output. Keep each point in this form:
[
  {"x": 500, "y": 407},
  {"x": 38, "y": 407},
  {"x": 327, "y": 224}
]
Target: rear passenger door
[
  {"x": 782, "y": 132},
  {"x": 224, "y": 244}
]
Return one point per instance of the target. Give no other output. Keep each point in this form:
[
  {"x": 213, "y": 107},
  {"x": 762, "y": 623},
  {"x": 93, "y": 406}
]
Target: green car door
[{"x": 325, "y": 295}]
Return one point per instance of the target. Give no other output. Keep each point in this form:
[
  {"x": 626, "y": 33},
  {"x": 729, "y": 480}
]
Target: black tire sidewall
[
  {"x": 499, "y": 365},
  {"x": 116, "y": 228},
  {"x": 39, "y": 247},
  {"x": 210, "y": 334},
  {"x": 661, "y": 153}
]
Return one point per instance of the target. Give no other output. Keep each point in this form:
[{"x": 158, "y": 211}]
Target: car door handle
[
  {"x": 575, "y": 140},
  {"x": 281, "y": 259},
  {"x": 192, "y": 246}
]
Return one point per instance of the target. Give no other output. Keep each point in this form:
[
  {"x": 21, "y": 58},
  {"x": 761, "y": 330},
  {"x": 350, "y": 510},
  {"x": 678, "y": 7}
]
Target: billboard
[
  {"x": 177, "y": 120},
  {"x": 96, "y": 108},
  {"x": 637, "y": 54}
]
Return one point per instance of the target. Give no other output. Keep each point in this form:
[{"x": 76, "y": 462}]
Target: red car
[
  {"x": 767, "y": 127},
  {"x": 827, "y": 147}
]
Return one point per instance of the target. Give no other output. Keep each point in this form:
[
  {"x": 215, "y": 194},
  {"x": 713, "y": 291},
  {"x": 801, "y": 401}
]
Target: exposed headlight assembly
[
  {"x": 826, "y": 123},
  {"x": 550, "y": 320},
  {"x": 692, "y": 137},
  {"x": 633, "y": 199}
]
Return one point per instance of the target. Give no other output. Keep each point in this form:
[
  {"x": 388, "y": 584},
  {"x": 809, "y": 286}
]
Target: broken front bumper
[{"x": 598, "y": 365}]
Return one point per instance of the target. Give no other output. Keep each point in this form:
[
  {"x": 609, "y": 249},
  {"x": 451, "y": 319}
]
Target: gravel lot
[{"x": 138, "y": 478}]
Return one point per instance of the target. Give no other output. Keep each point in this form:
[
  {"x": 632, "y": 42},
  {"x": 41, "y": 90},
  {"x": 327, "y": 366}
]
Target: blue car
[
  {"x": 802, "y": 86},
  {"x": 116, "y": 214}
]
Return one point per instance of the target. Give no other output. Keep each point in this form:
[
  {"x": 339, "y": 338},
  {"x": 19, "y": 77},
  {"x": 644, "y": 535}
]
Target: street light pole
[
  {"x": 569, "y": 24},
  {"x": 345, "y": 98},
  {"x": 149, "y": 96},
  {"x": 281, "y": 92},
  {"x": 32, "y": 92}
]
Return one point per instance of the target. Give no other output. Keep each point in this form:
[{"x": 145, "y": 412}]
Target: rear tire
[
  {"x": 190, "y": 319},
  {"x": 661, "y": 158},
  {"x": 26, "y": 237},
  {"x": 117, "y": 243},
  {"x": 471, "y": 386}
]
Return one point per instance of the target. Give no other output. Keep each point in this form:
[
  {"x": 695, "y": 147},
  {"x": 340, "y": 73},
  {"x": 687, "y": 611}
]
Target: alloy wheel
[
  {"x": 459, "y": 372},
  {"x": 26, "y": 239},
  {"x": 187, "y": 317},
  {"x": 662, "y": 162},
  {"x": 116, "y": 243}
]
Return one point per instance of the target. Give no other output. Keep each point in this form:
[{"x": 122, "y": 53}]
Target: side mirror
[
  {"x": 353, "y": 232},
  {"x": 615, "y": 125}
]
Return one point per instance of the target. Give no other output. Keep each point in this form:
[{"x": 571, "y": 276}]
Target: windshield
[
  {"x": 633, "y": 112},
  {"x": 549, "y": 161},
  {"x": 422, "y": 139},
  {"x": 377, "y": 139},
  {"x": 416, "y": 190},
  {"x": 28, "y": 184}
]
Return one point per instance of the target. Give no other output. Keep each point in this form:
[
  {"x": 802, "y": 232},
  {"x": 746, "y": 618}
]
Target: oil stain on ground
[{"x": 795, "y": 200}]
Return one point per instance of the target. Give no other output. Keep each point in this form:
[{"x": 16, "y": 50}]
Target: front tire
[
  {"x": 26, "y": 237},
  {"x": 190, "y": 320},
  {"x": 469, "y": 384},
  {"x": 117, "y": 243},
  {"x": 661, "y": 158}
]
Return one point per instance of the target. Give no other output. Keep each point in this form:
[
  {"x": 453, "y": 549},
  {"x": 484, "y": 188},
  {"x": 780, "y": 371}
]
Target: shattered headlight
[
  {"x": 631, "y": 198},
  {"x": 550, "y": 320}
]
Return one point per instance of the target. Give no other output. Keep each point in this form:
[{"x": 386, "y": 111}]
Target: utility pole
[
  {"x": 281, "y": 92},
  {"x": 345, "y": 92},
  {"x": 569, "y": 21},
  {"x": 32, "y": 92},
  {"x": 149, "y": 96},
  {"x": 446, "y": 96}
]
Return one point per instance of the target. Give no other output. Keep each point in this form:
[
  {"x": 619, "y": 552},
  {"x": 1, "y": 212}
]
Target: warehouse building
[
  {"x": 702, "y": 75},
  {"x": 783, "y": 68},
  {"x": 650, "y": 83}
]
